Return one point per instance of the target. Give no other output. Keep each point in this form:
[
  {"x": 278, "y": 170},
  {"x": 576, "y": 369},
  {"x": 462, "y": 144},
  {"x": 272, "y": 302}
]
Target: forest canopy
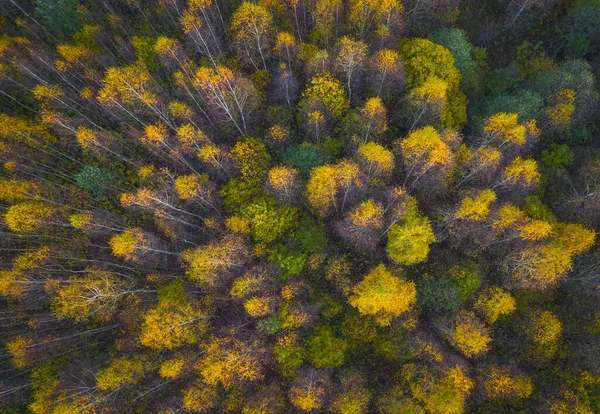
[{"x": 289, "y": 206}]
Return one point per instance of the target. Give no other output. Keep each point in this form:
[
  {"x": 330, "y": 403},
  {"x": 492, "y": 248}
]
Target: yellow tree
[
  {"x": 309, "y": 390},
  {"x": 172, "y": 324},
  {"x": 283, "y": 183},
  {"x": 425, "y": 154},
  {"x": 503, "y": 131},
  {"x": 383, "y": 19},
  {"x": 476, "y": 208},
  {"x": 383, "y": 295},
  {"x": 362, "y": 226},
  {"x": 408, "y": 243},
  {"x": 253, "y": 33},
  {"x": 350, "y": 61},
  {"x": 212, "y": 263},
  {"x": 469, "y": 335},
  {"x": 520, "y": 174},
  {"x": 386, "y": 73},
  {"x": 327, "y": 16},
  {"x": 94, "y": 296},
  {"x": 502, "y": 383},
  {"x": 330, "y": 186},
  {"x": 132, "y": 89},
  {"x": 327, "y": 92},
  {"x": 495, "y": 302},
  {"x": 230, "y": 96},
  {"x": 28, "y": 216},
  {"x": 135, "y": 245},
  {"x": 376, "y": 161},
  {"x": 427, "y": 102},
  {"x": 559, "y": 115},
  {"x": 121, "y": 372},
  {"x": 374, "y": 117},
  {"x": 232, "y": 363}
]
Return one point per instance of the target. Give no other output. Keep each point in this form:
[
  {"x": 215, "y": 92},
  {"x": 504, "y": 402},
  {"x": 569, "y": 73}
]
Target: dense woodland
[{"x": 286, "y": 206}]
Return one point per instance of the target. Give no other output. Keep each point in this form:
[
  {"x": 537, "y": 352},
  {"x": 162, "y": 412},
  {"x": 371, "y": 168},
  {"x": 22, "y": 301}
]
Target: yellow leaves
[
  {"x": 573, "y": 238},
  {"x": 86, "y": 137},
  {"x": 128, "y": 244},
  {"x": 281, "y": 177},
  {"x": 190, "y": 186},
  {"x": 561, "y": 113},
  {"x": 284, "y": 40},
  {"x": 120, "y": 372},
  {"x": 155, "y": 134},
  {"x": 277, "y": 134},
  {"x": 540, "y": 267},
  {"x": 258, "y": 307},
  {"x": 128, "y": 84},
  {"x": 459, "y": 380},
  {"x": 83, "y": 299},
  {"x": 495, "y": 302},
  {"x": 329, "y": 91},
  {"x": 477, "y": 208},
  {"x": 250, "y": 22},
  {"x": 17, "y": 349},
  {"x": 307, "y": 398},
  {"x": 502, "y": 384},
  {"x": 507, "y": 216},
  {"x": 425, "y": 147},
  {"x": 506, "y": 126},
  {"x": 171, "y": 325},
  {"x": 15, "y": 190},
  {"x": 368, "y": 214},
  {"x": 432, "y": 91},
  {"x": 207, "y": 263},
  {"x": 544, "y": 328},
  {"x": 383, "y": 295},
  {"x": 327, "y": 180},
  {"x": 171, "y": 368},
  {"x": 180, "y": 109},
  {"x": 237, "y": 224},
  {"x": 470, "y": 336},
  {"x": 73, "y": 53},
  {"x": 521, "y": 171},
  {"x": 377, "y": 159},
  {"x": 46, "y": 91},
  {"x": 535, "y": 230},
  {"x": 200, "y": 398},
  {"x": 189, "y": 136},
  {"x": 166, "y": 46},
  {"x": 231, "y": 363},
  {"x": 387, "y": 61},
  {"x": 27, "y": 216}
]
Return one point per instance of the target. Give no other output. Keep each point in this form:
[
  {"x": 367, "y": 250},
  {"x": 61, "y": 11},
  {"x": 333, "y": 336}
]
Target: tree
[
  {"x": 327, "y": 92},
  {"x": 386, "y": 74},
  {"x": 136, "y": 245},
  {"x": 350, "y": 61},
  {"x": 267, "y": 221},
  {"x": 380, "y": 22},
  {"x": 327, "y": 18},
  {"x": 121, "y": 372},
  {"x": 252, "y": 158},
  {"x": 495, "y": 302},
  {"x": 331, "y": 186},
  {"x": 362, "y": 227},
  {"x": 28, "y": 216},
  {"x": 423, "y": 59},
  {"x": 376, "y": 161},
  {"x": 59, "y": 15},
  {"x": 174, "y": 322},
  {"x": 231, "y": 97},
  {"x": 457, "y": 42},
  {"x": 232, "y": 363},
  {"x": 325, "y": 350},
  {"x": 469, "y": 335},
  {"x": 95, "y": 296},
  {"x": 383, "y": 295},
  {"x": 253, "y": 33},
  {"x": 427, "y": 102},
  {"x": 213, "y": 263},
  {"x": 425, "y": 155},
  {"x": 353, "y": 396},
  {"x": 501, "y": 383},
  {"x": 427, "y": 15},
  {"x": 408, "y": 243},
  {"x": 476, "y": 208},
  {"x": 503, "y": 131},
  {"x": 284, "y": 184},
  {"x": 309, "y": 390},
  {"x": 374, "y": 117}
]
